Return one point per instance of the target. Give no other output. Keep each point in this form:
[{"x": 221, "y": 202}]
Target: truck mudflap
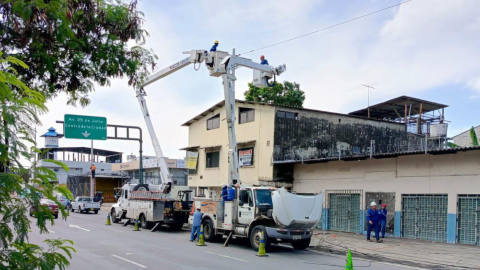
[{"x": 288, "y": 234}]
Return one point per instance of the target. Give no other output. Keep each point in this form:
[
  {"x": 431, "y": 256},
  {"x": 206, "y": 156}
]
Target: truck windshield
[{"x": 264, "y": 197}]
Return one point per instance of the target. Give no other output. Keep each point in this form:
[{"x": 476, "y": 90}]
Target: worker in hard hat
[
  {"x": 373, "y": 219},
  {"x": 197, "y": 222},
  {"x": 264, "y": 61},
  {"x": 383, "y": 219},
  {"x": 214, "y": 47}
]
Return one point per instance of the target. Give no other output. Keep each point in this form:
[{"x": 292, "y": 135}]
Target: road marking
[
  {"x": 225, "y": 256},
  {"x": 51, "y": 231},
  {"x": 129, "y": 253},
  {"x": 78, "y": 227},
  {"x": 113, "y": 230},
  {"x": 132, "y": 262}
]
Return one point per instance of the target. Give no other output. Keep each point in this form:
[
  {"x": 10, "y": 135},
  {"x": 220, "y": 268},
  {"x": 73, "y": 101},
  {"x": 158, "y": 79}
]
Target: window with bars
[
  {"x": 246, "y": 115},
  {"x": 214, "y": 122},
  {"x": 213, "y": 159}
]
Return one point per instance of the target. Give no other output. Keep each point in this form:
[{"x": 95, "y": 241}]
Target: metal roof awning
[
  {"x": 83, "y": 150},
  {"x": 398, "y": 108},
  {"x": 190, "y": 148}
]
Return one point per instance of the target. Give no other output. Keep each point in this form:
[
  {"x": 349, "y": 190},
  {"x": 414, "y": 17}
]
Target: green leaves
[
  {"x": 20, "y": 187},
  {"x": 73, "y": 44},
  {"x": 288, "y": 94}
]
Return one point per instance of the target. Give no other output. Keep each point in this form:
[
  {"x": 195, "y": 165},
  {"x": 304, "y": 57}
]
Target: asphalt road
[{"x": 116, "y": 247}]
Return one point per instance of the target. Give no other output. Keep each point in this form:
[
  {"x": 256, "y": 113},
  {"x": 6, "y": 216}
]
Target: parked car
[
  {"x": 45, "y": 202},
  {"x": 63, "y": 200},
  {"x": 85, "y": 204}
]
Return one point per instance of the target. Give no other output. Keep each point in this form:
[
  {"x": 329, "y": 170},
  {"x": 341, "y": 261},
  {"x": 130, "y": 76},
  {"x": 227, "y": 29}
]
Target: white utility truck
[
  {"x": 85, "y": 204},
  {"x": 148, "y": 204},
  {"x": 282, "y": 216}
]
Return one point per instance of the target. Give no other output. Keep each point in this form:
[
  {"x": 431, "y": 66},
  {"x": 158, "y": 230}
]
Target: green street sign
[{"x": 85, "y": 127}]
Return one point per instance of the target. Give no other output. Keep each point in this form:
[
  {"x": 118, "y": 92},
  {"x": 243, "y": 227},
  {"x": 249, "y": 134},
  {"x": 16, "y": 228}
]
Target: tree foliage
[
  {"x": 72, "y": 44},
  {"x": 21, "y": 186},
  {"x": 286, "y": 94}
]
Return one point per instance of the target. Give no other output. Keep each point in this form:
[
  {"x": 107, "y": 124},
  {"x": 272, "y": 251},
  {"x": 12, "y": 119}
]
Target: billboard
[
  {"x": 245, "y": 157},
  {"x": 192, "y": 158}
]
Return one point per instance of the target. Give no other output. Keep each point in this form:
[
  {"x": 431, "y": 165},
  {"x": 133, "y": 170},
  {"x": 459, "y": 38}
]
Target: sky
[{"x": 428, "y": 49}]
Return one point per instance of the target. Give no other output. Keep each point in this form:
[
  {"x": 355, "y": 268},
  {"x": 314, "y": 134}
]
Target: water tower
[{"x": 51, "y": 138}]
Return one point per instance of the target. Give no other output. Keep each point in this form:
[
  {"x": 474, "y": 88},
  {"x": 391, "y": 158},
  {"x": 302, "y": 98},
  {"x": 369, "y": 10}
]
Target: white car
[{"x": 85, "y": 204}]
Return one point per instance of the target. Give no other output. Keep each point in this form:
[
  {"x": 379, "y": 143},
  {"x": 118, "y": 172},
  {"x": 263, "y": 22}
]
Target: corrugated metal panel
[
  {"x": 425, "y": 217},
  {"x": 468, "y": 219},
  {"x": 344, "y": 211}
]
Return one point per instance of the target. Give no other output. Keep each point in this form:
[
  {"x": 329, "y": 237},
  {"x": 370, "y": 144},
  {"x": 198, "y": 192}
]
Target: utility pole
[{"x": 91, "y": 174}]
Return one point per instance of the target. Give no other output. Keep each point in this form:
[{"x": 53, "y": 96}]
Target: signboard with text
[
  {"x": 85, "y": 127},
  {"x": 245, "y": 157},
  {"x": 192, "y": 158}
]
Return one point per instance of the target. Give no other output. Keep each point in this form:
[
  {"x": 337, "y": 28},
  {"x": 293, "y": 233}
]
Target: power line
[{"x": 331, "y": 26}]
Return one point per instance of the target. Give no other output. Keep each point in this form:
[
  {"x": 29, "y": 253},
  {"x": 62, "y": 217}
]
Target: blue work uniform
[
  {"x": 197, "y": 222},
  {"x": 383, "y": 220},
  {"x": 374, "y": 217},
  {"x": 224, "y": 194},
  {"x": 231, "y": 194},
  {"x": 264, "y": 62},
  {"x": 214, "y": 47}
]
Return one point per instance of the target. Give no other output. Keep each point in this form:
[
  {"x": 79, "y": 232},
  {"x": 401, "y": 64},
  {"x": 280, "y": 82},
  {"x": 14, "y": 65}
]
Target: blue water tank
[{"x": 231, "y": 194}]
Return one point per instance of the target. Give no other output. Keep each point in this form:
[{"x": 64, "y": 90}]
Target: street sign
[{"x": 85, "y": 127}]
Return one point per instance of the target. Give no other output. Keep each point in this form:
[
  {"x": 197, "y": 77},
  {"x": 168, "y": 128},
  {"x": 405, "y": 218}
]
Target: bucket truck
[{"x": 281, "y": 216}]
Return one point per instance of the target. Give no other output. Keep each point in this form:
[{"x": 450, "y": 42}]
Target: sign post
[{"x": 86, "y": 128}]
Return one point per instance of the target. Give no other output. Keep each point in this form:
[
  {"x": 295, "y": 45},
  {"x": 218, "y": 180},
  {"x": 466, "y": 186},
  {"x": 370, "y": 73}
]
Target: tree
[
  {"x": 473, "y": 136},
  {"x": 286, "y": 94},
  {"x": 19, "y": 109},
  {"x": 72, "y": 44}
]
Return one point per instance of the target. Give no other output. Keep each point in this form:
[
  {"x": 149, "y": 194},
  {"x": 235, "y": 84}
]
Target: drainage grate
[
  {"x": 344, "y": 212},
  {"x": 425, "y": 217},
  {"x": 468, "y": 219}
]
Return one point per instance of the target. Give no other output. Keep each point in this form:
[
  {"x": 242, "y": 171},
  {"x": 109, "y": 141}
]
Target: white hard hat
[
  {"x": 373, "y": 204},
  {"x": 224, "y": 185}
]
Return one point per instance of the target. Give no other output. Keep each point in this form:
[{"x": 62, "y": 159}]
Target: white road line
[
  {"x": 113, "y": 230},
  {"x": 225, "y": 256},
  {"x": 51, "y": 231},
  {"x": 132, "y": 262},
  {"x": 78, "y": 227}
]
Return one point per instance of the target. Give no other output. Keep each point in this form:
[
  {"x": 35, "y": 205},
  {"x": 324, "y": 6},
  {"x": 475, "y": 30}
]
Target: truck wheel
[
  {"x": 96, "y": 211},
  {"x": 141, "y": 187},
  {"x": 208, "y": 230},
  {"x": 144, "y": 223},
  {"x": 71, "y": 209},
  {"x": 255, "y": 236},
  {"x": 80, "y": 210},
  {"x": 301, "y": 244},
  {"x": 114, "y": 218}
]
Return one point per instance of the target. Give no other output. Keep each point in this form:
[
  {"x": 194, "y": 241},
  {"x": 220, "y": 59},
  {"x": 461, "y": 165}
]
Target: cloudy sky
[{"x": 428, "y": 49}]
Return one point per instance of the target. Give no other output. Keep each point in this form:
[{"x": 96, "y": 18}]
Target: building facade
[
  {"x": 433, "y": 196},
  {"x": 464, "y": 139}
]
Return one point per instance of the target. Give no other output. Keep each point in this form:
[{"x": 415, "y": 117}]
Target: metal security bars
[
  {"x": 424, "y": 217},
  {"x": 468, "y": 219},
  {"x": 344, "y": 210}
]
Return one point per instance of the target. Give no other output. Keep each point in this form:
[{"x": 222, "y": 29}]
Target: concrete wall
[
  {"x": 260, "y": 131},
  {"x": 452, "y": 174},
  {"x": 316, "y": 135}
]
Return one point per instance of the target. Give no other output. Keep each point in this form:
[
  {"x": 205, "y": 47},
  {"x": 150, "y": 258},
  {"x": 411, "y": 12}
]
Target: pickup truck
[{"x": 85, "y": 204}]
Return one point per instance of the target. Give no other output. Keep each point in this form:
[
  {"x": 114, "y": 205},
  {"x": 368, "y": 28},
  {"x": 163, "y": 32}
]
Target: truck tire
[
  {"x": 301, "y": 244},
  {"x": 80, "y": 210},
  {"x": 96, "y": 211},
  {"x": 114, "y": 216},
  {"x": 144, "y": 223},
  {"x": 255, "y": 236},
  {"x": 208, "y": 230},
  {"x": 141, "y": 187}
]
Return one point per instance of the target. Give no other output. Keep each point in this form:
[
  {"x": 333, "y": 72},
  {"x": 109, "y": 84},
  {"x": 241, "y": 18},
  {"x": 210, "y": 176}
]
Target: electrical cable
[{"x": 323, "y": 29}]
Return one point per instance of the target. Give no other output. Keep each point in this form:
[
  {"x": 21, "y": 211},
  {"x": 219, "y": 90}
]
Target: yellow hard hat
[{"x": 216, "y": 41}]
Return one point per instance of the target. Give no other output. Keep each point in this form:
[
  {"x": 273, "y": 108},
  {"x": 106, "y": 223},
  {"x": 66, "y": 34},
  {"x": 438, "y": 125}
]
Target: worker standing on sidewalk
[
  {"x": 383, "y": 219},
  {"x": 373, "y": 219},
  {"x": 197, "y": 222}
]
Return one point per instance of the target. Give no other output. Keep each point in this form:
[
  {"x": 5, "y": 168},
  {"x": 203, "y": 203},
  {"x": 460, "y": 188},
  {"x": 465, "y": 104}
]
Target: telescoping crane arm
[{"x": 219, "y": 64}]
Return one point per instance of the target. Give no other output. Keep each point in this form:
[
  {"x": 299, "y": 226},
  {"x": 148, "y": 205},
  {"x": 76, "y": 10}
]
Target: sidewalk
[
  {"x": 106, "y": 206},
  {"x": 422, "y": 254}
]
